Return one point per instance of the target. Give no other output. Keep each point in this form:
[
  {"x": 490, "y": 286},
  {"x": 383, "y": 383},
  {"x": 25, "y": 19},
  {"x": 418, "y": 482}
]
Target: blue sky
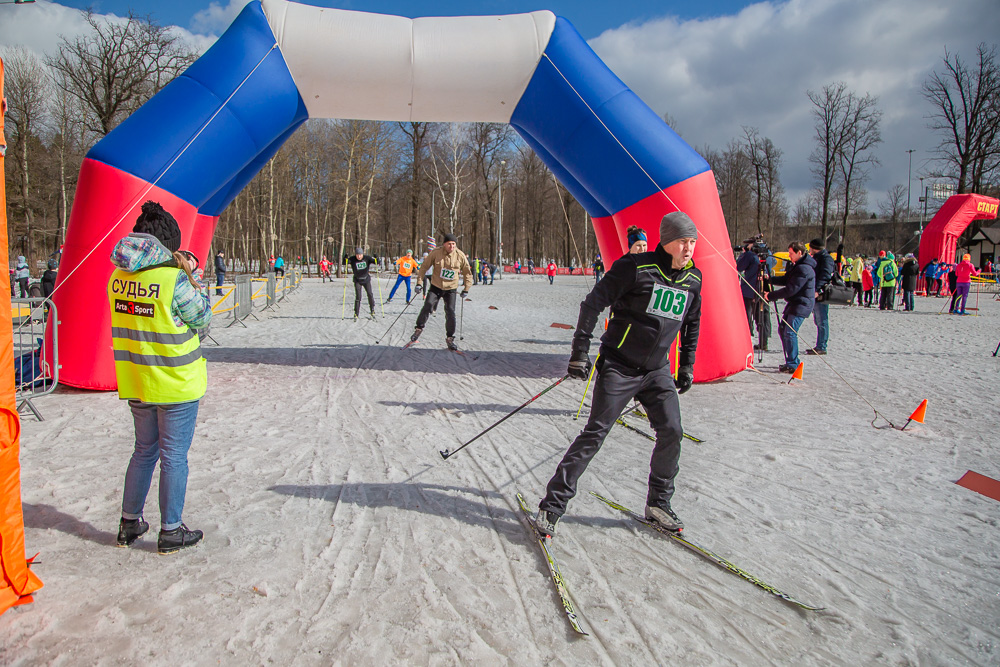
[
  {"x": 714, "y": 66},
  {"x": 591, "y": 17}
]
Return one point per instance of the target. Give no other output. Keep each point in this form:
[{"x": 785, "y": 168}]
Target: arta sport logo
[{"x": 138, "y": 309}]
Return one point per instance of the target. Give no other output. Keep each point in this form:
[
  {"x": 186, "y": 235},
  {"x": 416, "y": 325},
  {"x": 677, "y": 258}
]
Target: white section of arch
[{"x": 350, "y": 64}]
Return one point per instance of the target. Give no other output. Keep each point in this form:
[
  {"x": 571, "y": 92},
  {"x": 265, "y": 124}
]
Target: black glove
[
  {"x": 418, "y": 289},
  {"x": 685, "y": 378},
  {"x": 465, "y": 293},
  {"x": 579, "y": 365}
]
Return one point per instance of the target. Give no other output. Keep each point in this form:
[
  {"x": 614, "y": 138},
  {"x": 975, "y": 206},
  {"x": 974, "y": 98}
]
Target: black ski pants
[
  {"x": 434, "y": 294},
  {"x": 367, "y": 284},
  {"x": 613, "y": 390}
]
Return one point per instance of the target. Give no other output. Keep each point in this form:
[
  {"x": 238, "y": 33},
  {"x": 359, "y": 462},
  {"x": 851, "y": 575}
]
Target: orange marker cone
[
  {"x": 797, "y": 375},
  {"x": 918, "y": 414}
]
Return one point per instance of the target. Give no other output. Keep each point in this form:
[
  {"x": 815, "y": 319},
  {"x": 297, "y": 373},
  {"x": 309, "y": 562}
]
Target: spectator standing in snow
[
  {"x": 908, "y": 278},
  {"x": 867, "y": 284},
  {"x": 887, "y": 273},
  {"x": 22, "y": 274},
  {"x": 825, "y": 269},
  {"x": 799, "y": 293},
  {"x": 220, "y": 272},
  {"x": 963, "y": 282},
  {"x": 159, "y": 368},
  {"x": 651, "y": 308}
]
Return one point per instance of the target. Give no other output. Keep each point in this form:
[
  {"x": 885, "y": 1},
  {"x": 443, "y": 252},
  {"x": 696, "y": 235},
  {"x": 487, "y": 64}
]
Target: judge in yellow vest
[{"x": 155, "y": 307}]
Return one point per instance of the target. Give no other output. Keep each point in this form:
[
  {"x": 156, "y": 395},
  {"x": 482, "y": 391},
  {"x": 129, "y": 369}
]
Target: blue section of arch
[
  {"x": 563, "y": 113},
  {"x": 239, "y": 139}
]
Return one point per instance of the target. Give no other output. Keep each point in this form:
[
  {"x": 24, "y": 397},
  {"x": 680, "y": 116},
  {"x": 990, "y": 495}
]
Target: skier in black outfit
[
  {"x": 653, "y": 296},
  {"x": 360, "y": 265}
]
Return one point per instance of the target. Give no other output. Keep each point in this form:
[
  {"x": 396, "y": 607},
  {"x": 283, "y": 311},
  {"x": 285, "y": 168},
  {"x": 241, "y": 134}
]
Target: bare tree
[
  {"x": 449, "y": 167},
  {"x": 966, "y": 110},
  {"x": 732, "y": 171},
  {"x": 764, "y": 162},
  {"x": 856, "y": 157},
  {"x": 27, "y": 102},
  {"x": 831, "y": 111},
  {"x": 117, "y": 66},
  {"x": 489, "y": 144},
  {"x": 417, "y": 134},
  {"x": 893, "y": 207}
]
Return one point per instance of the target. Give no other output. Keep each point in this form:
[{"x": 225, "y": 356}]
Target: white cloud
[
  {"x": 215, "y": 19},
  {"x": 716, "y": 75},
  {"x": 38, "y": 26}
]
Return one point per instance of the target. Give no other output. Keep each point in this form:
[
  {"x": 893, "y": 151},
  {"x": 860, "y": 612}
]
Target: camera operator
[
  {"x": 825, "y": 271},
  {"x": 755, "y": 261}
]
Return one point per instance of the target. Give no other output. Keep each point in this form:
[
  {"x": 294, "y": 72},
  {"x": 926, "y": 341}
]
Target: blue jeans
[
  {"x": 400, "y": 279},
  {"x": 821, "y": 316},
  {"x": 908, "y": 299},
  {"x": 789, "y": 338},
  {"x": 164, "y": 433}
]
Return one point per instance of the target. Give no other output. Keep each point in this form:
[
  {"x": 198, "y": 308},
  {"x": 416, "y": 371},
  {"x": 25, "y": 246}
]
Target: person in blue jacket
[
  {"x": 799, "y": 293},
  {"x": 930, "y": 276},
  {"x": 279, "y": 266}
]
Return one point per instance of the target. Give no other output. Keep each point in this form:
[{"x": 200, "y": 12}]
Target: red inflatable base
[
  {"x": 107, "y": 203},
  {"x": 724, "y": 347}
]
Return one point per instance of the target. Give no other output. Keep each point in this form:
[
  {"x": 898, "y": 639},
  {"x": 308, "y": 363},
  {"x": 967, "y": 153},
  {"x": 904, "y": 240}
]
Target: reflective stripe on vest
[{"x": 156, "y": 361}]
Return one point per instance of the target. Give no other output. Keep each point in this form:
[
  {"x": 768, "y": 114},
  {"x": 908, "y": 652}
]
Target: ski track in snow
[{"x": 336, "y": 534}]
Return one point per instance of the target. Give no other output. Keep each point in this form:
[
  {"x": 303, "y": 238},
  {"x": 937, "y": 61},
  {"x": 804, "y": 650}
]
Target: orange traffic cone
[
  {"x": 797, "y": 375},
  {"x": 918, "y": 414}
]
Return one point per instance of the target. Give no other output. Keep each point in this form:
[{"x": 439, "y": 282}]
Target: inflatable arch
[
  {"x": 940, "y": 237},
  {"x": 201, "y": 139}
]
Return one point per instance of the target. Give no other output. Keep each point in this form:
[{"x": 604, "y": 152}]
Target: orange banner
[{"x": 18, "y": 581}]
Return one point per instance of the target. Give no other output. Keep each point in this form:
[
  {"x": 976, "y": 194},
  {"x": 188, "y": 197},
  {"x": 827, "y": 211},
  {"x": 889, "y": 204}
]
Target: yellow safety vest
[{"x": 156, "y": 361}]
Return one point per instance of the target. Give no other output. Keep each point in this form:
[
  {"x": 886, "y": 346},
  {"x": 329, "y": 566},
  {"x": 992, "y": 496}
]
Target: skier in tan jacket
[{"x": 445, "y": 265}]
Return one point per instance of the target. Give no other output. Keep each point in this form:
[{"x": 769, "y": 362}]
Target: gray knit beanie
[{"x": 677, "y": 225}]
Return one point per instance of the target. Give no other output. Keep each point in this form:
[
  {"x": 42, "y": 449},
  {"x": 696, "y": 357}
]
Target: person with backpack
[{"x": 887, "y": 274}]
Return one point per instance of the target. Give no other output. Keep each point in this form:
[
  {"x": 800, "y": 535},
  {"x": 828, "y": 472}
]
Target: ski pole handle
[{"x": 446, "y": 453}]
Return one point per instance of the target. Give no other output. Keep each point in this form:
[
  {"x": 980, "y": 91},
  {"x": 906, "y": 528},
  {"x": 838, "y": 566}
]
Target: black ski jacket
[{"x": 650, "y": 303}]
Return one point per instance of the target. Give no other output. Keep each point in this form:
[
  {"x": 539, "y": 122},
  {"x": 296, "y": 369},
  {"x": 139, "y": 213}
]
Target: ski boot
[
  {"x": 129, "y": 530},
  {"x": 452, "y": 345},
  {"x": 416, "y": 334},
  {"x": 373, "y": 313},
  {"x": 171, "y": 541},
  {"x": 545, "y": 524},
  {"x": 665, "y": 517}
]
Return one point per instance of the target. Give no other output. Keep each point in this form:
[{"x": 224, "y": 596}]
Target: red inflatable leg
[{"x": 724, "y": 345}]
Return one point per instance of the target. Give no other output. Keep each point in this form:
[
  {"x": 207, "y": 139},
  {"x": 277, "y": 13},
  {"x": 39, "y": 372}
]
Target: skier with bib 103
[
  {"x": 653, "y": 296},
  {"x": 445, "y": 264}
]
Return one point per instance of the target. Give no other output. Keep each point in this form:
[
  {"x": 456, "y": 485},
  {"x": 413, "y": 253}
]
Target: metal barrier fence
[
  {"x": 272, "y": 295},
  {"x": 34, "y": 373}
]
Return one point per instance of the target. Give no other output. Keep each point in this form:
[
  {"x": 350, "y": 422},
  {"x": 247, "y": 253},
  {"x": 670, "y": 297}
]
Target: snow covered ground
[{"x": 336, "y": 534}]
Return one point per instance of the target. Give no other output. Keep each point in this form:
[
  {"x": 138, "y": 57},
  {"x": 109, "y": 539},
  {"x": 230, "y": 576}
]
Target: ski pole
[
  {"x": 447, "y": 453},
  {"x": 343, "y": 303},
  {"x": 382, "y": 303},
  {"x": 379, "y": 339},
  {"x": 587, "y": 388},
  {"x": 461, "y": 320},
  {"x": 996, "y": 350}
]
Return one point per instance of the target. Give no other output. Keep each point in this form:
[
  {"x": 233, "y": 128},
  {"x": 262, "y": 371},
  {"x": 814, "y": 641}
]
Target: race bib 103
[{"x": 667, "y": 302}]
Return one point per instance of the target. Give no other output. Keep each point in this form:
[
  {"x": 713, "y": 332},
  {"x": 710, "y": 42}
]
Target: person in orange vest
[
  {"x": 324, "y": 269},
  {"x": 155, "y": 307},
  {"x": 405, "y": 265},
  {"x": 550, "y": 270}
]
